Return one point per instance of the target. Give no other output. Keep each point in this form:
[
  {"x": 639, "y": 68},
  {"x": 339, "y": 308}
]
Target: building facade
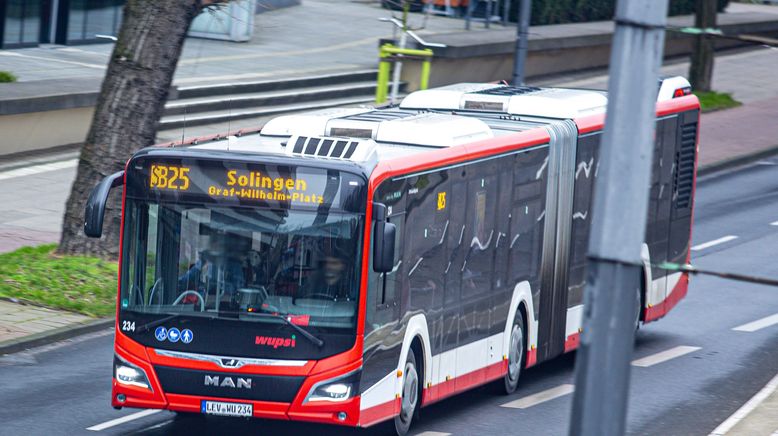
[{"x": 29, "y": 23}]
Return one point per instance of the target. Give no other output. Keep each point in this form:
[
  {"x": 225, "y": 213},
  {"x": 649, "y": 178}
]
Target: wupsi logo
[{"x": 275, "y": 342}]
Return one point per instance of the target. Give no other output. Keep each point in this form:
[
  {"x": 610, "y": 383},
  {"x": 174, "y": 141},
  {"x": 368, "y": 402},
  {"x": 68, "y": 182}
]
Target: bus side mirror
[
  {"x": 95, "y": 205},
  {"x": 384, "y": 234},
  {"x": 383, "y": 246}
]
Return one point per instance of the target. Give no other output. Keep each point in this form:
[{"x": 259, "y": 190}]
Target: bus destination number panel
[{"x": 250, "y": 184}]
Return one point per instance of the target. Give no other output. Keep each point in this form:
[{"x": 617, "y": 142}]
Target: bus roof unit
[
  {"x": 388, "y": 125},
  {"x": 514, "y": 100}
]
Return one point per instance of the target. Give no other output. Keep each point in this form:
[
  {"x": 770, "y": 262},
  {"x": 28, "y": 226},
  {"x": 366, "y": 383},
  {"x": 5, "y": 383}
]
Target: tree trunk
[
  {"x": 701, "y": 69},
  {"x": 131, "y": 102}
]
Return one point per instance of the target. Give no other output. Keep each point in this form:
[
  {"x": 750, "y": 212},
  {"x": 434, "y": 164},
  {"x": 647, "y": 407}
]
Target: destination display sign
[{"x": 245, "y": 183}]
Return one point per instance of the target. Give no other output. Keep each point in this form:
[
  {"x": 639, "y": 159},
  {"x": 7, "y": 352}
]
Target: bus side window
[
  {"x": 527, "y": 218},
  {"x": 456, "y": 244},
  {"x": 481, "y": 238},
  {"x": 587, "y": 156},
  {"x": 503, "y": 231},
  {"x": 427, "y": 225}
]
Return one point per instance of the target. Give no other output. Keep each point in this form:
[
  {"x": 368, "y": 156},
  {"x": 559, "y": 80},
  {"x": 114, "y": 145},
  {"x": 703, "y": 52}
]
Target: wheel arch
[
  {"x": 521, "y": 300},
  {"x": 416, "y": 333}
]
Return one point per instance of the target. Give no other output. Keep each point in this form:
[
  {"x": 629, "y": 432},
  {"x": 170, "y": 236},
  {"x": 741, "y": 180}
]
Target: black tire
[
  {"x": 517, "y": 349},
  {"x": 411, "y": 395}
]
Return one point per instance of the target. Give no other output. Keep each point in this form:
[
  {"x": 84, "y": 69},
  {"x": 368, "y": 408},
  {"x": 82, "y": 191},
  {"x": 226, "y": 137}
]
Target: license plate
[{"x": 227, "y": 409}]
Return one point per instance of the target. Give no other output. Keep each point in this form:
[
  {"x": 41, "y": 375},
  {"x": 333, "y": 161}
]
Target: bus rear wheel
[
  {"x": 515, "y": 354},
  {"x": 410, "y": 395}
]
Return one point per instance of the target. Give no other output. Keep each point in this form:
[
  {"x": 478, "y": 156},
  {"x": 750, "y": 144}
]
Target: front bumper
[{"x": 279, "y": 393}]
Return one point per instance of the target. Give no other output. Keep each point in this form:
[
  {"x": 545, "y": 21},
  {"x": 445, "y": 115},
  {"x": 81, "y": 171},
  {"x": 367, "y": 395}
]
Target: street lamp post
[{"x": 618, "y": 230}]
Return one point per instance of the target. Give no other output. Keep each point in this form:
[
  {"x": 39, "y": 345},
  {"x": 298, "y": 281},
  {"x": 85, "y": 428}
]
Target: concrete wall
[{"x": 41, "y": 130}]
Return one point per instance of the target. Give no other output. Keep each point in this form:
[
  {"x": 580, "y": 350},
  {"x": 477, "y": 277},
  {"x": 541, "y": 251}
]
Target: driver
[
  {"x": 331, "y": 278},
  {"x": 220, "y": 266}
]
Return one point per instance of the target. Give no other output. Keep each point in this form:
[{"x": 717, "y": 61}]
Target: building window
[
  {"x": 88, "y": 18},
  {"x": 21, "y": 23}
]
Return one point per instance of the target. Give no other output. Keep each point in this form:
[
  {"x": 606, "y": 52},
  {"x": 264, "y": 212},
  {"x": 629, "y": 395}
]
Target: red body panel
[{"x": 464, "y": 382}]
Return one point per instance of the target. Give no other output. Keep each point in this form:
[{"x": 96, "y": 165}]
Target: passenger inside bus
[{"x": 219, "y": 267}]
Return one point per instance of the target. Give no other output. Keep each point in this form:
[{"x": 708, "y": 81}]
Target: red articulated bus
[{"x": 350, "y": 266}]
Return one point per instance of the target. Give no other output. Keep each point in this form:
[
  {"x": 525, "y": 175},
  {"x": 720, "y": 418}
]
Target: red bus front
[{"x": 239, "y": 287}]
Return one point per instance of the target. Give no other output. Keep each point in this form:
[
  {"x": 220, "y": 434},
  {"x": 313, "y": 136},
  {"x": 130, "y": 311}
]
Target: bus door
[
  {"x": 456, "y": 201},
  {"x": 587, "y": 159},
  {"x": 556, "y": 250},
  {"x": 476, "y": 271}
]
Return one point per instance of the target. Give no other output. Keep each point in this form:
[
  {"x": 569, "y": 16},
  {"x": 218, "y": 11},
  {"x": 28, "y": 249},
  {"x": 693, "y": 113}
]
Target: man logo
[
  {"x": 228, "y": 382},
  {"x": 231, "y": 363}
]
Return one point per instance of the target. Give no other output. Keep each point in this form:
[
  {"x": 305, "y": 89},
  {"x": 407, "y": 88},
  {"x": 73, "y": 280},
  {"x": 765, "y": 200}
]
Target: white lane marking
[
  {"x": 747, "y": 408},
  {"x": 540, "y": 397},
  {"x": 714, "y": 242},
  {"x": 123, "y": 419},
  {"x": 433, "y": 433},
  {"x": 758, "y": 324},
  {"x": 664, "y": 356},
  {"x": 774, "y": 223},
  {"x": 37, "y": 169}
]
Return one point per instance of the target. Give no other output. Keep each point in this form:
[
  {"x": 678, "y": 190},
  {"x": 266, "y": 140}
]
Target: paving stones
[{"x": 19, "y": 320}]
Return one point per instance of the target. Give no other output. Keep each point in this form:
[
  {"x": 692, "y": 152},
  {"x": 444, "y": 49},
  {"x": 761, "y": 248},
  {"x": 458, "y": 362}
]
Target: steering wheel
[{"x": 191, "y": 292}]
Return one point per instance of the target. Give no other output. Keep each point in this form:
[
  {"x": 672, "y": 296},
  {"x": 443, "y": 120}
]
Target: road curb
[
  {"x": 736, "y": 160},
  {"x": 55, "y": 335}
]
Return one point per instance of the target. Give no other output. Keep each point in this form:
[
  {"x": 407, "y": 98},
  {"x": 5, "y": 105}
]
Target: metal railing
[{"x": 389, "y": 54}]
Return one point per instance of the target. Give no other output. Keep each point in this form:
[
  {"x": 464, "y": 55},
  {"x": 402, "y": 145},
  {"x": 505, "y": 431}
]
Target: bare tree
[
  {"x": 701, "y": 69},
  {"x": 131, "y": 102}
]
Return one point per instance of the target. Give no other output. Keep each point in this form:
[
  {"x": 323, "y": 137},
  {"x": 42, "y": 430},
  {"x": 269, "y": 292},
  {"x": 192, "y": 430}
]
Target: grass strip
[
  {"x": 714, "y": 101},
  {"x": 82, "y": 284}
]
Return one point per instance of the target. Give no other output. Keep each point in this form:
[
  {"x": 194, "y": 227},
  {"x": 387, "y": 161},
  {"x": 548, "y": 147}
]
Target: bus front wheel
[
  {"x": 410, "y": 395},
  {"x": 515, "y": 354}
]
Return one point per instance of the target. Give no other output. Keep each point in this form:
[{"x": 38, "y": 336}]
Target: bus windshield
[{"x": 241, "y": 263}]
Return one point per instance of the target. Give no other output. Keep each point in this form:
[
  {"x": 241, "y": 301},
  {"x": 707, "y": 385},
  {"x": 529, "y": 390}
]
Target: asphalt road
[{"x": 710, "y": 370}]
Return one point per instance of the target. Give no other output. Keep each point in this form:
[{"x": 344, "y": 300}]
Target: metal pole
[
  {"x": 488, "y": 13},
  {"x": 522, "y": 33},
  {"x": 469, "y": 14},
  {"x": 618, "y": 229},
  {"x": 398, "y": 67},
  {"x": 384, "y": 67}
]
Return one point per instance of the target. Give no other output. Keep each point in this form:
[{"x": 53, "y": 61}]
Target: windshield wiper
[{"x": 149, "y": 325}]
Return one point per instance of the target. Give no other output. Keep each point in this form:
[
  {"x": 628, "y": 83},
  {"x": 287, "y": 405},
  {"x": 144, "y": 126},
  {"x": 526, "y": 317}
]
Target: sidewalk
[
  {"x": 296, "y": 41},
  {"x": 759, "y": 416},
  {"x": 23, "y": 326}
]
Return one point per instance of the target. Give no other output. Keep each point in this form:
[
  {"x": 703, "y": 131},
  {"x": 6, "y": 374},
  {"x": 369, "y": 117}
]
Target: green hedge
[{"x": 575, "y": 11}]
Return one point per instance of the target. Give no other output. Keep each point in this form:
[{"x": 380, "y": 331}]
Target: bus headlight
[
  {"x": 337, "y": 389},
  {"x": 128, "y": 374}
]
